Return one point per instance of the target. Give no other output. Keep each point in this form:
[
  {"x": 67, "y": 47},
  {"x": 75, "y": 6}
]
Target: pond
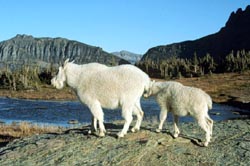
[{"x": 59, "y": 113}]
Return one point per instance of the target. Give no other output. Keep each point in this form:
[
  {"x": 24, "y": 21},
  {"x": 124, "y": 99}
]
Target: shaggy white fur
[
  {"x": 99, "y": 86},
  {"x": 182, "y": 101}
]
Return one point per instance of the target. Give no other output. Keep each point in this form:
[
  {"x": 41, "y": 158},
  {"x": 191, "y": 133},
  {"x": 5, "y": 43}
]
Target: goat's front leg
[
  {"x": 163, "y": 116},
  {"x": 176, "y": 129}
]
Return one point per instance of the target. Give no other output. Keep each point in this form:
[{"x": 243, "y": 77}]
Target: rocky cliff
[
  {"x": 129, "y": 56},
  {"x": 25, "y": 48},
  {"x": 234, "y": 36}
]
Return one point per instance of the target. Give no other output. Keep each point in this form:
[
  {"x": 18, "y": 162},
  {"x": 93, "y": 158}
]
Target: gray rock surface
[
  {"x": 129, "y": 56},
  {"x": 230, "y": 146},
  {"x": 27, "y": 49}
]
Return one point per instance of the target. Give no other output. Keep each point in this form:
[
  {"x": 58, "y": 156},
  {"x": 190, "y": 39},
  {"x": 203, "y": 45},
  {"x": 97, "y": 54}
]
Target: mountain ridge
[
  {"x": 26, "y": 49},
  {"x": 232, "y": 37},
  {"x": 127, "y": 55}
]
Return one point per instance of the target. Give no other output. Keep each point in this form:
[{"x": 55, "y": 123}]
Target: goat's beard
[{"x": 57, "y": 84}]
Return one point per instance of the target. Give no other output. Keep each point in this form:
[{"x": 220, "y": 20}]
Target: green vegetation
[
  {"x": 176, "y": 67},
  {"x": 26, "y": 76},
  {"x": 23, "y": 76},
  {"x": 237, "y": 62}
]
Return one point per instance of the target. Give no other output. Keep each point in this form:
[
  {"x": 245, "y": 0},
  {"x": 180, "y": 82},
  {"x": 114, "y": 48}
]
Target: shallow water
[{"x": 59, "y": 113}]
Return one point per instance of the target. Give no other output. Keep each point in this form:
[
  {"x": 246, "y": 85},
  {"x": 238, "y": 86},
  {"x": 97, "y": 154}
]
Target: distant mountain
[
  {"x": 233, "y": 37},
  {"x": 28, "y": 49},
  {"x": 129, "y": 56}
]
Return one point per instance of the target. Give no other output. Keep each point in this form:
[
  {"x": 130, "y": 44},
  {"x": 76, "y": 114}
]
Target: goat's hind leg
[
  {"x": 98, "y": 115},
  {"x": 139, "y": 113},
  {"x": 207, "y": 128},
  {"x": 176, "y": 129},
  {"x": 210, "y": 123},
  {"x": 127, "y": 115},
  {"x": 93, "y": 125}
]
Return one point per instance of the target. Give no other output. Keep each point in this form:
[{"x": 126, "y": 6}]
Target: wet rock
[
  {"x": 73, "y": 121},
  {"x": 236, "y": 113},
  {"x": 214, "y": 113}
]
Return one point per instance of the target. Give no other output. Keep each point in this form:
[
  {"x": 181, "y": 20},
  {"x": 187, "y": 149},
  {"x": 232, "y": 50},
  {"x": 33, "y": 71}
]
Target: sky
[{"x": 115, "y": 25}]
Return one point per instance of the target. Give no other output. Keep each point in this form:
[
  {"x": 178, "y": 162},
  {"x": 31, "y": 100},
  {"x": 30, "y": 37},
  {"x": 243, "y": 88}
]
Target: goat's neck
[
  {"x": 156, "y": 88},
  {"x": 73, "y": 73}
]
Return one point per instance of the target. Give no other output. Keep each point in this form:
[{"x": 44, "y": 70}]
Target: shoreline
[
  {"x": 230, "y": 141},
  {"x": 231, "y": 89},
  {"x": 70, "y": 96}
]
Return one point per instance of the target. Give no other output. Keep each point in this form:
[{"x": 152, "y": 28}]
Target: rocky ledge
[{"x": 230, "y": 146}]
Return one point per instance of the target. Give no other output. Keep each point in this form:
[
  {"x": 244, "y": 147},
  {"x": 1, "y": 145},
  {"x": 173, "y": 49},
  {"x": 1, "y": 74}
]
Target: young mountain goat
[
  {"x": 99, "y": 86},
  {"x": 182, "y": 101}
]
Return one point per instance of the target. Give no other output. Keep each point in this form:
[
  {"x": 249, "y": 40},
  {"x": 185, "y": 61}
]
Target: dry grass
[
  {"x": 45, "y": 92},
  {"x": 9, "y": 132},
  {"x": 222, "y": 87}
]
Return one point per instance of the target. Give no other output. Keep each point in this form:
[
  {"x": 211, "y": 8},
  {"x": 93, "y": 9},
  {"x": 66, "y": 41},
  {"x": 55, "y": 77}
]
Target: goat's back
[
  {"x": 184, "y": 99},
  {"x": 112, "y": 86}
]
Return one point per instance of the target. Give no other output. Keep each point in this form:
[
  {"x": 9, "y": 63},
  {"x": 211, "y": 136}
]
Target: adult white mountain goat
[
  {"x": 99, "y": 86},
  {"x": 182, "y": 101}
]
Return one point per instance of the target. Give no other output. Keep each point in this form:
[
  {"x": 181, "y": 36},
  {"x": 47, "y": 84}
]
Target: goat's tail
[
  {"x": 209, "y": 101},
  {"x": 147, "y": 91}
]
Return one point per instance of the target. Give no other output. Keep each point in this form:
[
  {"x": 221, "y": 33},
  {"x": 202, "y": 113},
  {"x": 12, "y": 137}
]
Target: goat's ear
[
  {"x": 60, "y": 69},
  {"x": 151, "y": 83},
  {"x": 65, "y": 62}
]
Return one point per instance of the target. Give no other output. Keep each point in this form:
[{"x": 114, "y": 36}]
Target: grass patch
[{"x": 9, "y": 132}]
